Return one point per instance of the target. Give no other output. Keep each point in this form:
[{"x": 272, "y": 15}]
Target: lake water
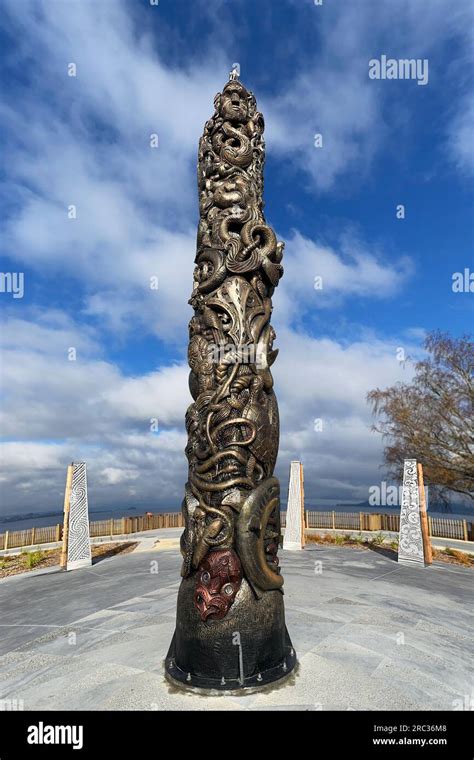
[{"x": 40, "y": 520}]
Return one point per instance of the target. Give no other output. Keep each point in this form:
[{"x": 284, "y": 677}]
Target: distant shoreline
[{"x": 43, "y": 519}]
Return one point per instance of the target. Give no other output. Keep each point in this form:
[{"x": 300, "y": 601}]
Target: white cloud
[
  {"x": 114, "y": 475},
  {"x": 49, "y": 396},
  {"x": 59, "y": 411},
  {"x": 334, "y": 96},
  {"x": 162, "y": 394},
  {"x": 350, "y": 125},
  {"x": 461, "y": 136},
  {"x": 321, "y": 380},
  {"x": 30, "y": 456},
  {"x": 88, "y": 144},
  {"x": 352, "y": 271}
]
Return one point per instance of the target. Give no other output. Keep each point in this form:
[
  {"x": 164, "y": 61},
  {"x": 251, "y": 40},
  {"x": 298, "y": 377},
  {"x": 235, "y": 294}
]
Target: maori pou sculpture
[
  {"x": 76, "y": 551},
  {"x": 230, "y": 629},
  {"x": 411, "y": 550}
]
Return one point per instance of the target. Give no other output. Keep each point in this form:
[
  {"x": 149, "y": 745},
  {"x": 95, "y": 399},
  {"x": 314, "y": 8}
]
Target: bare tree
[{"x": 431, "y": 419}]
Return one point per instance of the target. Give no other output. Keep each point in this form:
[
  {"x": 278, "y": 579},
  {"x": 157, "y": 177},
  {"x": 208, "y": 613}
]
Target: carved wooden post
[
  {"x": 230, "y": 627},
  {"x": 76, "y": 551},
  {"x": 67, "y": 496},
  {"x": 294, "y": 528},
  {"x": 427, "y": 550}
]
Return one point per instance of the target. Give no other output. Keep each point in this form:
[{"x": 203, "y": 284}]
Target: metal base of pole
[
  {"x": 193, "y": 681},
  {"x": 248, "y": 649}
]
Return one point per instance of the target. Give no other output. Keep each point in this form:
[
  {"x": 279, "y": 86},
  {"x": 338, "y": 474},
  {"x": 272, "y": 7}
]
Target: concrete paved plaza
[{"x": 369, "y": 635}]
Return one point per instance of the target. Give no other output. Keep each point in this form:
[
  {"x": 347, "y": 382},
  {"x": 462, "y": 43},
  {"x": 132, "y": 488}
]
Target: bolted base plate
[{"x": 254, "y": 682}]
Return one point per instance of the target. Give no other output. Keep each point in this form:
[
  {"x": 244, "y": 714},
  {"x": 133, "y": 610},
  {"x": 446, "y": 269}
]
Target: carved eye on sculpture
[
  {"x": 205, "y": 577},
  {"x": 251, "y": 300},
  {"x": 207, "y": 270},
  {"x": 228, "y": 589},
  {"x": 199, "y": 599},
  {"x": 225, "y": 320}
]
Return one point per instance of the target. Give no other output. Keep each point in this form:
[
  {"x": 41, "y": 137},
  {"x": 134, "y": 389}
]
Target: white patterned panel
[
  {"x": 294, "y": 528},
  {"x": 79, "y": 545},
  {"x": 410, "y": 548}
]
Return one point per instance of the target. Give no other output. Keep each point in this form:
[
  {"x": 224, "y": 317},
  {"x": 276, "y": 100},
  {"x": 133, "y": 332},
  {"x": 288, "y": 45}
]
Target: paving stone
[{"x": 369, "y": 636}]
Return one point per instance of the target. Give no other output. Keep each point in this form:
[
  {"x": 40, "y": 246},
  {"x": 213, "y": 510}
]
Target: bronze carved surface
[{"x": 231, "y": 506}]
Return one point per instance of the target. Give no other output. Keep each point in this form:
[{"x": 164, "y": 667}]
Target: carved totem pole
[{"x": 230, "y": 628}]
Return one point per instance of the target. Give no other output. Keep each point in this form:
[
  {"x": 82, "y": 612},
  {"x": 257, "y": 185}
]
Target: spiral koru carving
[
  {"x": 79, "y": 548},
  {"x": 231, "y": 505}
]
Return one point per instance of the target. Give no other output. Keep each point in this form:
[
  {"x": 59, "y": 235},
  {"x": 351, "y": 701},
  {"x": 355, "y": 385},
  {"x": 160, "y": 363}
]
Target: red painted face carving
[{"x": 219, "y": 578}]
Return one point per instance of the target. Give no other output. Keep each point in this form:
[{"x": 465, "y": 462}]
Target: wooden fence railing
[
  {"x": 124, "y": 525},
  {"x": 441, "y": 527}
]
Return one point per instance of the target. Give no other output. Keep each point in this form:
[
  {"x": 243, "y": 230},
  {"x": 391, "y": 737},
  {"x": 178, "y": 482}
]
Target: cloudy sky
[{"x": 91, "y": 354}]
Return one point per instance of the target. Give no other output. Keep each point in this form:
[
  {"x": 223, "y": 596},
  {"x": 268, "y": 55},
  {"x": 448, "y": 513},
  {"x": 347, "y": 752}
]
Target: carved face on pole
[
  {"x": 233, "y": 104},
  {"x": 218, "y": 580},
  {"x": 230, "y": 192}
]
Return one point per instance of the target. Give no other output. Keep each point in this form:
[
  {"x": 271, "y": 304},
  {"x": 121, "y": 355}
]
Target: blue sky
[{"x": 85, "y": 140}]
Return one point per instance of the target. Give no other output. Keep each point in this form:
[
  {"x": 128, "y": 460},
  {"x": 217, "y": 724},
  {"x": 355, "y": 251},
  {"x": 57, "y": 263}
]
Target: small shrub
[
  {"x": 461, "y": 557},
  {"x": 33, "y": 558},
  {"x": 320, "y": 538},
  {"x": 394, "y": 545},
  {"x": 326, "y": 538},
  {"x": 338, "y": 539},
  {"x": 378, "y": 539}
]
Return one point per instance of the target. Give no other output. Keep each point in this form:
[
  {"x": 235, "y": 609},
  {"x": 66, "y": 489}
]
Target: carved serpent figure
[{"x": 231, "y": 506}]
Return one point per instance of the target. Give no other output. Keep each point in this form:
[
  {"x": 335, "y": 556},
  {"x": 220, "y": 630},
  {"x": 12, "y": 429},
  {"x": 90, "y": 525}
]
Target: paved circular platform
[{"x": 368, "y": 633}]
